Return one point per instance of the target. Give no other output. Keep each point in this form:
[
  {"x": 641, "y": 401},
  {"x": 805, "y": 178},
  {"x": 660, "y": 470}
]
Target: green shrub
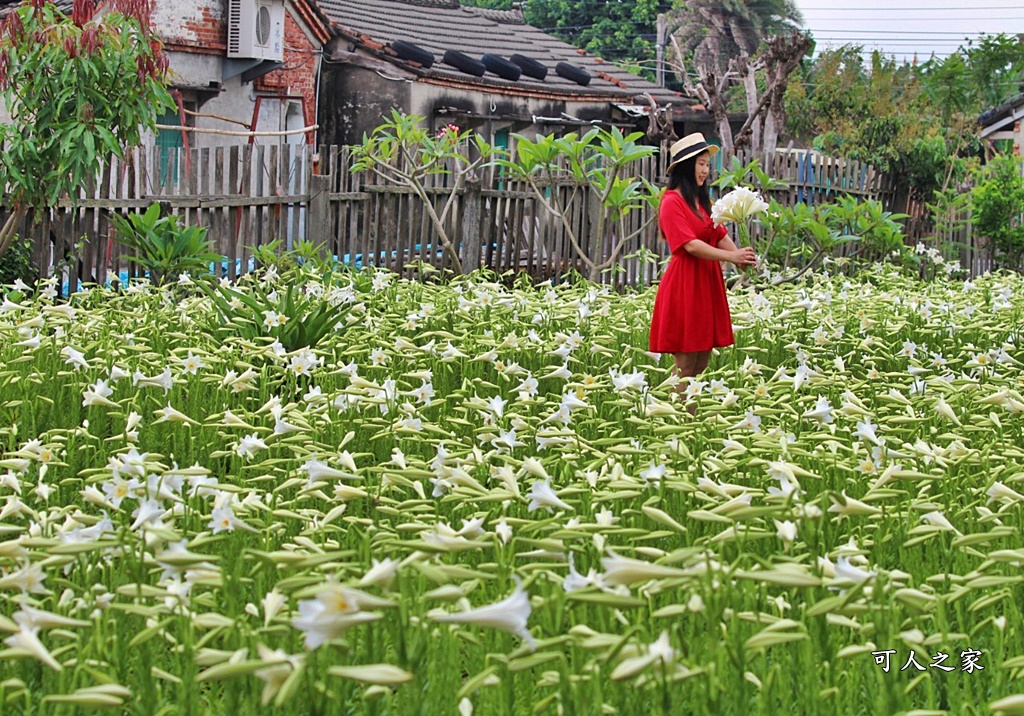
[
  {"x": 16, "y": 263},
  {"x": 162, "y": 246},
  {"x": 996, "y": 203}
]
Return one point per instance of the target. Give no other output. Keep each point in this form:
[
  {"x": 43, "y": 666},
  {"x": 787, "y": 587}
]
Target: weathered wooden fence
[{"x": 248, "y": 196}]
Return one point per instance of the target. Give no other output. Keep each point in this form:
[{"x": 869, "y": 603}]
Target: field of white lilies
[{"x": 474, "y": 499}]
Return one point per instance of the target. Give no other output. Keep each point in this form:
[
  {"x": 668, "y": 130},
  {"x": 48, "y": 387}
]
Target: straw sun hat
[{"x": 690, "y": 146}]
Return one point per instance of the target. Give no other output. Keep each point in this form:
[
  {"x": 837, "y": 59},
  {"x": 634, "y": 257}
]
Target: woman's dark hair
[{"x": 683, "y": 177}]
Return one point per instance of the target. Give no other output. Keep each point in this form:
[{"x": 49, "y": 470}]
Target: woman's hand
[{"x": 743, "y": 257}]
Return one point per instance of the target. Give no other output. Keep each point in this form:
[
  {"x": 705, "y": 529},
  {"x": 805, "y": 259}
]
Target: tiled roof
[
  {"x": 993, "y": 115},
  {"x": 439, "y": 25}
]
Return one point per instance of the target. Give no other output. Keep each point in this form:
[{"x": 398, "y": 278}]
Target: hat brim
[{"x": 693, "y": 151}]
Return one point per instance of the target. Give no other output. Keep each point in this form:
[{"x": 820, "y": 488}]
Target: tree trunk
[
  {"x": 710, "y": 89},
  {"x": 782, "y": 57},
  {"x": 748, "y": 70},
  {"x": 10, "y": 227}
]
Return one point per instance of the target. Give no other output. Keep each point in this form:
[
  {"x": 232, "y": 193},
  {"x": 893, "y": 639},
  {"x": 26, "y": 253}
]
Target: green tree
[
  {"x": 996, "y": 202},
  {"x": 995, "y": 68},
  {"x": 79, "y": 89},
  {"x": 717, "y": 30},
  {"x": 879, "y": 114},
  {"x": 621, "y": 32}
]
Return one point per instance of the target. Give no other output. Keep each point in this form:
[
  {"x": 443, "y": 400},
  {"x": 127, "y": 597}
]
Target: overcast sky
[{"x": 905, "y": 28}]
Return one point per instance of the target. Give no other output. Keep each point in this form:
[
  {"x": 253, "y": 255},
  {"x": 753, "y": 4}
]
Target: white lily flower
[
  {"x": 867, "y": 431},
  {"x": 937, "y": 519},
  {"x": 846, "y": 571},
  {"x": 148, "y": 511},
  {"x": 532, "y": 466},
  {"x": 503, "y": 530},
  {"x": 625, "y": 571},
  {"x": 281, "y": 666},
  {"x": 272, "y": 602},
  {"x": 821, "y": 413},
  {"x": 334, "y": 610},
  {"x": 737, "y": 206},
  {"x": 852, "y": 507},
  {"x": 510, "y": 615},
  {"x": 169, "y": 414},
  {"x": 750, "y": 422},
  {"x": 943, "y": 408},
  {"x": 98, "y": 394},
  {"x": 29, "y": 579},
  {"x": 381, "y": 573},
  {"x": 26, "y": 638},
  {"x": 623, "y": 382},
  {"x": 999, "y": 491},
  {"x": 317, "y": 470},
  {"x": 542, "y": 495},
  {"x": 73, "y": 357},
  {"x": 786, "y": 531},
  {"x": 654, "y": 473},
  {"x": 248, "y": 446}
]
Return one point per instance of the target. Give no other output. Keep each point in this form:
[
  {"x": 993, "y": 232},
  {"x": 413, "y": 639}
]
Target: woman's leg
[
  {"x": 686, "y": 367},
  {"x": 703, "y": 358}
]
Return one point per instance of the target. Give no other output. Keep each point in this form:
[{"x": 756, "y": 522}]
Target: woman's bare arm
[{"x": 701, "y": 250}]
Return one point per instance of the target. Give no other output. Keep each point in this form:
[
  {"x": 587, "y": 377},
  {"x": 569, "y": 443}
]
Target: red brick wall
[
  {"x": 198, "y": 26},
  {"x": 298, "y": 76}
]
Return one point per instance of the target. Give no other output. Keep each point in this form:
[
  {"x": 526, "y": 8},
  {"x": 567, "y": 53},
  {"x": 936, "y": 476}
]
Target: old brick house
[
  {"x": 270, "y": 88},
  {"x": 266, "y": 80},
  {"x": 475, "y": 67},
  {"x": 283, "y": 65}
]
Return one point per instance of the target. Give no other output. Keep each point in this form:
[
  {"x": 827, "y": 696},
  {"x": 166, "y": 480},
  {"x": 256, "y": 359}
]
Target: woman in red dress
[{"x": 691, "y": 312}]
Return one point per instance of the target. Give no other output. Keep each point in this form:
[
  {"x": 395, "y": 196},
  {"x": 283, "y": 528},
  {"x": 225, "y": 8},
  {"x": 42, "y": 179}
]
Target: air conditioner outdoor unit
[{"x": 256, "y": 29}]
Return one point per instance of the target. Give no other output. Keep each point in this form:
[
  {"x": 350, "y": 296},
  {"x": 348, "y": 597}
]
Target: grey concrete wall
[{"x": 353, "y": 100}]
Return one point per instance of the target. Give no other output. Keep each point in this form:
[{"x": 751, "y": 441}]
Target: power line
[
  {"x": 908, "y": 32},
  {"x": 891, "y": 41},
  {"x": 901, "y": 8}
]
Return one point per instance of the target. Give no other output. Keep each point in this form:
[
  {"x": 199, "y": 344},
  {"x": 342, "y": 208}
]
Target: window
[
  {"x": 501, "y": 142},
  {"x": 170, "y": 143}
]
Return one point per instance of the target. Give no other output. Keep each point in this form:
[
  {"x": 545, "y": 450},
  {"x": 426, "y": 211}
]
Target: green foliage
[
  {"x": 297, "y": 318},
  {"x": 162, "y": 246},
  {"x": 739, "y": 174},
  {"x": 74, "y": 97},
  {"x": 912, "y": 121},
  {"x": 996, "y": 202},
  {"x": 303, "y": 253},
  {"x": 950, "y": 211},
  {"x": 802, "y": 236},
  {"x": 402, "y": 152},
  {"x": 876, "y": 229},
  {"x": 403, "y": 144},
  {"x": 724, "y": 29},
  {"x": 983, "y": 73},
  {"x": 78, "y": 91},
  {"x": 879, "y": 116},
  {"x": 623, "y": 33},
  {"x": 594, "y": 165},
  {"x": 17, "y": 264}
]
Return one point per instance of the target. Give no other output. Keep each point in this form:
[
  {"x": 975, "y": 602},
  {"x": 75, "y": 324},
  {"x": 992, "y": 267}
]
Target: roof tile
[{"x": 439, "y": 25}]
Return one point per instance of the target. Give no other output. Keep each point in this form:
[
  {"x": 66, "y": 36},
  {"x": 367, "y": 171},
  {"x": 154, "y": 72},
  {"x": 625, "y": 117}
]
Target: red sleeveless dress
[{"x": 691, "y": 311}]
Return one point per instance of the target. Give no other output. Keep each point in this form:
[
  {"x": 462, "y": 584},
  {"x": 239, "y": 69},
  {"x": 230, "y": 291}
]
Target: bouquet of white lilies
[{"x": 738, "y": 207}]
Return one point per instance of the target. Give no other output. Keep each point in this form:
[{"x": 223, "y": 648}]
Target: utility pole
[{"x": 660, "y": 71}]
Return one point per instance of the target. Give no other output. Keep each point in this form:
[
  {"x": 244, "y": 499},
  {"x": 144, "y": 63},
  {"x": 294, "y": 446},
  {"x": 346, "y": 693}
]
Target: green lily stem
[{"x": 746, "y": 239}]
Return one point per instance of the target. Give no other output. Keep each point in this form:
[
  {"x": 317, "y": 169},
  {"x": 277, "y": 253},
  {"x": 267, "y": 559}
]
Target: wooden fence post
[
  {"x": 472, "y": 202},
  {"x": 318, "y": 220}
]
